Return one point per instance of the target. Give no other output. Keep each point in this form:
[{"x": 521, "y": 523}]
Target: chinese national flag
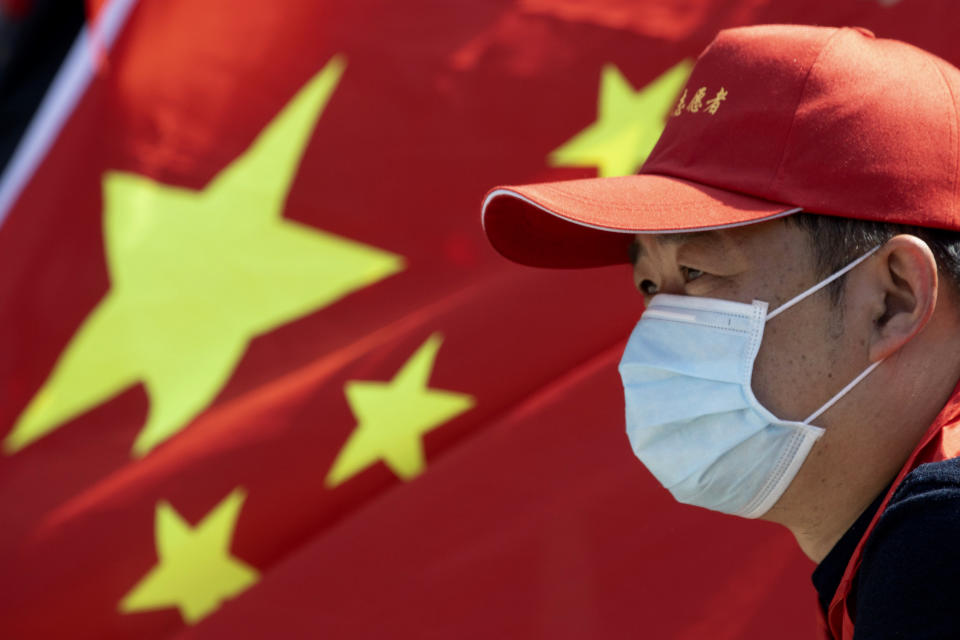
[{"x": 261, "y": 376}]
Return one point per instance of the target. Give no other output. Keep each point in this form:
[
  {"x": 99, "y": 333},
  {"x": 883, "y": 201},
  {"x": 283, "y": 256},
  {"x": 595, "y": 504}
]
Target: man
[{"x": 795, "y": 237}]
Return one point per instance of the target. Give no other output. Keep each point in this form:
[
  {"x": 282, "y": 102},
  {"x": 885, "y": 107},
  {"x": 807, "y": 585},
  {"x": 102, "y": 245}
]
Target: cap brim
[{"x": 591, "y": 222}]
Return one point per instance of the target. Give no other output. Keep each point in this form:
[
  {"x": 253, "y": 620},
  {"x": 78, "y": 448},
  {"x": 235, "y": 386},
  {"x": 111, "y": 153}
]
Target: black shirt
[{"x": 908, "y": 585}]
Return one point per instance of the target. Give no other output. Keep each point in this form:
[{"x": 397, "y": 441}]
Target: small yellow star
[
  {"x": 392, "y": 417},
  {"x": 628, "y": 125},
  {"x": 195, "y": 275},
  {"x": 195, "y": 571}
]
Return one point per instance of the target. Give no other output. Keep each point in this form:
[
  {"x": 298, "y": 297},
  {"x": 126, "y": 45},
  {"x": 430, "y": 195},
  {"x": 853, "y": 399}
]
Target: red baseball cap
[{"x": 774, "y": 119}]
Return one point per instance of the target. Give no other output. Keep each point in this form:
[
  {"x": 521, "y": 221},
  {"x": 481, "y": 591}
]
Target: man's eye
[{"x": 690, "y": 274}]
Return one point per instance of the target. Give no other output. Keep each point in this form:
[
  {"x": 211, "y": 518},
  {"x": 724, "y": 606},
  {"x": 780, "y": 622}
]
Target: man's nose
[{"x": 650, "y": 284}]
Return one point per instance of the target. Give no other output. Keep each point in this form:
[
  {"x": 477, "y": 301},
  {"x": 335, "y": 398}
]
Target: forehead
[
  {"x": 770, "y": 234},
  {"x": 642, "y": 242}
]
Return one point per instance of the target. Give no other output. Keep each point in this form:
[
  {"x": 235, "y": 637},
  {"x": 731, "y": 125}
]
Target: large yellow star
[
  {"x": 392, "y": 417},
  {"x": 195, "y": 571},
  {"x": 195, "y": 275},
  {"x": 628, "y": 123}
]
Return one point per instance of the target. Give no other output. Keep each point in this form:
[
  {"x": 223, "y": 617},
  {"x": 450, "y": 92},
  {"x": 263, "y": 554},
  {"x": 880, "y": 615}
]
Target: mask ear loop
[
  {"x": 816, "y": 414},
  {"x": 794, "y": 300},
  {"x": 820, "y": 285}
]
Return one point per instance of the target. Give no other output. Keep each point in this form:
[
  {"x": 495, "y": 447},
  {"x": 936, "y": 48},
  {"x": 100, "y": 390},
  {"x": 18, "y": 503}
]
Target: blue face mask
[{"x": 692, "y": 418}]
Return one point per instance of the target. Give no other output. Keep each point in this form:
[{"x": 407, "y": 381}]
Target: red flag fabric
[{"x": 262, "y": 375}]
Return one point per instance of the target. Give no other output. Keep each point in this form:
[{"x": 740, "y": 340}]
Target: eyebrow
[{"x": 636, "y": 251}]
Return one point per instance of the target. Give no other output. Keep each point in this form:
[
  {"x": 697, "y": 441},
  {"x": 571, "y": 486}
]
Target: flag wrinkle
[
  {"x": 215, "y": 432},
  {"x": 529, "y": 404}
]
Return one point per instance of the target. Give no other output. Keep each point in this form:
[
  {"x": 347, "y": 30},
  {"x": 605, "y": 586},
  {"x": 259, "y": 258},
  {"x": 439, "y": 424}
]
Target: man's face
[{"x": 807, "y": 353}]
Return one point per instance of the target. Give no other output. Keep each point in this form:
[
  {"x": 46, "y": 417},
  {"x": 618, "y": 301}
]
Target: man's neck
[
  {"x": 837, "y": 483},
  {"x": 817, "y": 542}
]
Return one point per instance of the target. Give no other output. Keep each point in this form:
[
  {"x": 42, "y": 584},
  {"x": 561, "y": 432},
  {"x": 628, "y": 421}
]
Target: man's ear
[{"x": 904, "y": 278}]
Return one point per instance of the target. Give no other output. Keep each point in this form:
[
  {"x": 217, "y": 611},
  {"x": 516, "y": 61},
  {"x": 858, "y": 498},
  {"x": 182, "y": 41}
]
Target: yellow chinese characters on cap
[{"x": 697, "y": 104}]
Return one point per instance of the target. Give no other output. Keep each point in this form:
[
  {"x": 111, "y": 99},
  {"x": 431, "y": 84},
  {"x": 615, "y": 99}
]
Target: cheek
[{"x": 796, "y": 370}]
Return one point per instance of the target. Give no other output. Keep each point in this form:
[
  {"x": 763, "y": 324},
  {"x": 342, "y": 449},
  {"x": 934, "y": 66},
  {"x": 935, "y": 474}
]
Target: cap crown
[{"x": 834, "y": 121}]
